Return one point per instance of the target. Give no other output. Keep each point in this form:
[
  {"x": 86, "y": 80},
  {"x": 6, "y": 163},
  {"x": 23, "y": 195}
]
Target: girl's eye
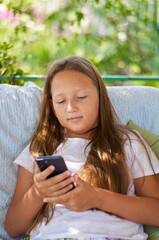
[
  {"x": 60, "y": 102},
  {"x": 82, "y": 97}
]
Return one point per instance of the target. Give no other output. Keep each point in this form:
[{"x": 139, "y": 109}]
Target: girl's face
[{"x": 75, "y": 103}]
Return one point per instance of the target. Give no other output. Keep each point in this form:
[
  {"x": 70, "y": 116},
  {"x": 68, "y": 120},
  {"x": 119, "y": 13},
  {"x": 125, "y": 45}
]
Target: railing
[
  {"x": 109, "y": 78},
  {"x": 13, "y": 79}
]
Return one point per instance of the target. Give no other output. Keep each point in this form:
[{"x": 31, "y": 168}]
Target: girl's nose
[{"x": 71, "y": 106}]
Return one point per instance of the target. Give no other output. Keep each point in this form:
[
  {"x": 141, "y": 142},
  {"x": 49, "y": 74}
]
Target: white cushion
[
  {"x": 19, "y": 113},
  {"x": 138, "y": 103}
]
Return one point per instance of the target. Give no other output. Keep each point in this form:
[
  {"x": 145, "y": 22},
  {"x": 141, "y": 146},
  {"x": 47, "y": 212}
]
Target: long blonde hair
[{"x": 105, "y": 166}]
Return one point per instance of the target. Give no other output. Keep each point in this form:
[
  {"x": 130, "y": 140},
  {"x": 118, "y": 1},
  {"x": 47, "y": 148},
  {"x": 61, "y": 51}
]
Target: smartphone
[{"x": 57, "y": 161}]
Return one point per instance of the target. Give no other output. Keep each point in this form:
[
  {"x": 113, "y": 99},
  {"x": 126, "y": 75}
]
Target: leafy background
[{"x": 121, "y": 37}]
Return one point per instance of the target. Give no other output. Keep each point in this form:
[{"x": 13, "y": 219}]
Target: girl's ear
[{"x": 52, "y": 106}]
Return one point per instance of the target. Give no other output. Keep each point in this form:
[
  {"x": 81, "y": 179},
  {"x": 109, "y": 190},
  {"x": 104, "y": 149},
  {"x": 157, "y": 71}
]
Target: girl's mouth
[{"x": 74, "y": 119}]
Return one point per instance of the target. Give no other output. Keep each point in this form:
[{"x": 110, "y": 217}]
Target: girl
[{"x": 116, "y": 190}]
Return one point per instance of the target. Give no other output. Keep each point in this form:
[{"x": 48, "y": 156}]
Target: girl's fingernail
[
  {"x": 52, "y": 167},
  {"x": 68, "y": 173},
  {"x": 45, "y": 200}
]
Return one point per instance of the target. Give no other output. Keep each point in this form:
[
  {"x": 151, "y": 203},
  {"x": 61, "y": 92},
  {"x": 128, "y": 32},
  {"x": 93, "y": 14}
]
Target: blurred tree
[
  {"x": 14, "y": 16},
  {"x": 118, "y": 36}
]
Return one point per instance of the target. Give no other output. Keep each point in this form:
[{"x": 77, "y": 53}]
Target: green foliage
[
  {"x": 118, "y": 36},
  {"x": 8, "y": 62}
]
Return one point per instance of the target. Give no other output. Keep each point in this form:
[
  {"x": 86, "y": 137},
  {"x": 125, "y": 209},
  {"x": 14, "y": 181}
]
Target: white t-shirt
[{"x": 92, "y": 224}]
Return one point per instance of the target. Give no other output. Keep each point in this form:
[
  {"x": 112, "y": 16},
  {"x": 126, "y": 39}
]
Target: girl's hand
[
  {"x": 79, "y": 199},
  {"x": 54, "y": 186}
]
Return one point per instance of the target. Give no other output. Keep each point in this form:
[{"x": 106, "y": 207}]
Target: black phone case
[{"x": 57, "y": 161}]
